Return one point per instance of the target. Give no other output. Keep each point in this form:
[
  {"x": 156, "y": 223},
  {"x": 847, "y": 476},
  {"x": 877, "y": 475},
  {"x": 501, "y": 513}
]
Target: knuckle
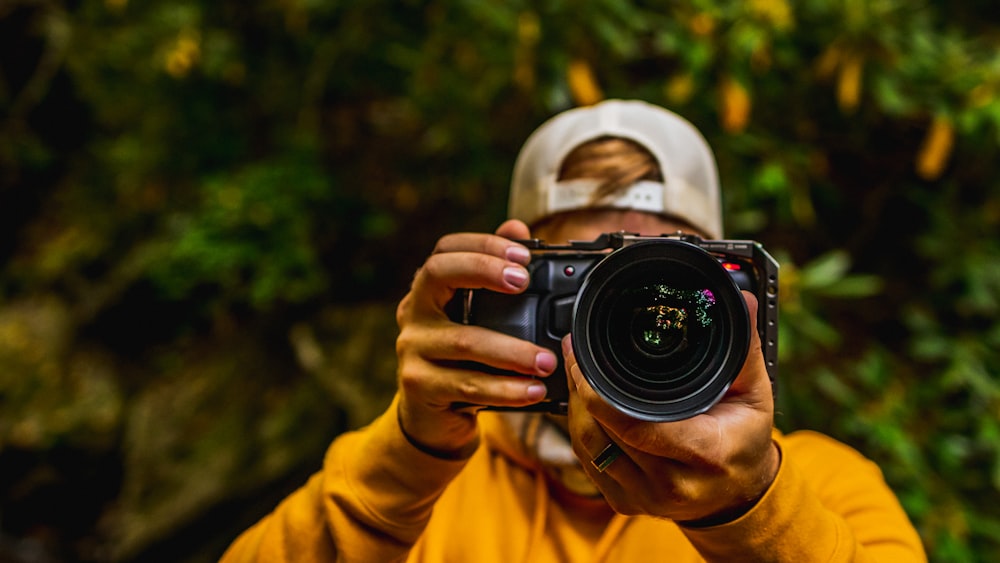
[
  {"x": 590, "y": 435},
  {"x": 411, "y": 377},
  {"x": 463, "y": 343},
  {"x": 683, "y": 492},
  {"x": 444, "y": 243},
  {"x": 408, "y": 346},
  {"x": 403, "y": 371},
  {"x": 410, "y": 335},
  {"x": 467, "y": 390},
  {"x": 403, "y": 310},
  {"x": 404, "y": 342},
  {"x": 432, "y": 268},
  {"x": 410, "y": 384}
]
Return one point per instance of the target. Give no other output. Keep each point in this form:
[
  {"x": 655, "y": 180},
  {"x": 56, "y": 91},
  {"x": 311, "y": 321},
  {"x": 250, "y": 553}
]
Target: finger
[
  {"x": 754, "y": 371},
  {"x": 444, "y": 363},
  {"x": 590, "y": 400},
  {"x": 444, "y": 273},
  {"x": 639, "y": 438},
  {"x": 590, "y": 439},
  {"x": 445, "y": 385},
  {"x": 514, "y": 229},
  {"x": 449, "y": 342},
  {"x": 608, "y": 463},
  {"x": 493, "y": 245}
]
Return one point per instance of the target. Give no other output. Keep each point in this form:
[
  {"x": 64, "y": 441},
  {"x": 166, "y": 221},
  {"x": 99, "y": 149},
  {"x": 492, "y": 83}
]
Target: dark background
[{"x": 209, "y": 209}]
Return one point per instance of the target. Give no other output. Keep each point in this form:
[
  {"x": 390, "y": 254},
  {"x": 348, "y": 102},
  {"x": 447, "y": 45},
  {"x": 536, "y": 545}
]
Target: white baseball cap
[{"x": 690, "y": 190}]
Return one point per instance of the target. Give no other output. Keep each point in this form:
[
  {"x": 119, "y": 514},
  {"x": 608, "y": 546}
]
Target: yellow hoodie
[{"x": 378, "y": 499}]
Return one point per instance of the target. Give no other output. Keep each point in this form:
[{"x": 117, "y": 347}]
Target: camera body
[{"x": 660, "y": 328}]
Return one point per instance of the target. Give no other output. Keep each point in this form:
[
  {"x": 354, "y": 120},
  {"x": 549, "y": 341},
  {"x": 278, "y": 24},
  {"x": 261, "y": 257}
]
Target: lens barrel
[{"x": 660, "y": 329}]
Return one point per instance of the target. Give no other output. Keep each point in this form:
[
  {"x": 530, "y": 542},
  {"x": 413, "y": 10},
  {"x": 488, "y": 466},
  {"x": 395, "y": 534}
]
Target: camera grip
[{"x": 515, "y": 315}]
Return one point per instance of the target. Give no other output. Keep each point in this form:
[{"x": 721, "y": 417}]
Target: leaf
[
  {"x": 825, "y": 270},
  {"x": 853, "y": 287}
]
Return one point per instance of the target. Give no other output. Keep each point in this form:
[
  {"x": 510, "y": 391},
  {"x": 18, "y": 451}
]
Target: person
[{"x": 427, "y": 481}]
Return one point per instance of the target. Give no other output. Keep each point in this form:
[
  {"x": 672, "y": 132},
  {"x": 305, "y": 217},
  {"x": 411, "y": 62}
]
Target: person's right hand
[{"x": 431, "y": 349}]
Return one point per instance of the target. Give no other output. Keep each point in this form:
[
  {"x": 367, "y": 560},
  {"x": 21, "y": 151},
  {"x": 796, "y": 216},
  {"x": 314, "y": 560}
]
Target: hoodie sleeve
[
  {"x": 370, "y": 502},
  {"x": 827, "y": 503}
]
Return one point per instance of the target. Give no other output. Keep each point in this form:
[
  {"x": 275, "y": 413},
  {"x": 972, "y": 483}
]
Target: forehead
[{"x": 590, "y": 223}]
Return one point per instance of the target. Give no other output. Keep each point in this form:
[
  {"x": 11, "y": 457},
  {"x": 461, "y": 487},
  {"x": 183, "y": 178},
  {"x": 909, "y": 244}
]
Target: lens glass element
[
  {"x": 660, "y": 329},
  {"x": 663, "y": 320}
]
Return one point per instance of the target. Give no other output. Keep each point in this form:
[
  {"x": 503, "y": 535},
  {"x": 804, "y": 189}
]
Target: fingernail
[
  {"x": 515, "y": 276},
  {"x": 546, "y": 362},
  {"x": 518, "y": 254},
  {"x": 536, "y": 391}
]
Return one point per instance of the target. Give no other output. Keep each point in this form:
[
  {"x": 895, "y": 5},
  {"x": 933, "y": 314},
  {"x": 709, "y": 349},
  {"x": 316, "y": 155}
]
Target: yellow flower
[
  {"x": 936, "y": 148},
  {"x": 679, "y": 88},
  {"x": 982, "y": 95},
  {"x": 582, "y": 84},
  {"x": 184, "y": 55},
  {"x": 849, "y": 82},
  {"x": 736, "y": 105},
  {"x": 529, "y": 30},
  {"x": 828, "y": 61},
  {"x": 777, "y": 12},
  {"x": 702, "y": 24}
]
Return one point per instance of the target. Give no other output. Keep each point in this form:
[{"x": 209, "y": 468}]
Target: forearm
[
  {"x": 859, "y": 521},
  {"x": 370, "y": 502}
]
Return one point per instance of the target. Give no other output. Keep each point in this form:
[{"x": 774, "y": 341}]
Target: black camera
[{"x": 660, "y": 329}]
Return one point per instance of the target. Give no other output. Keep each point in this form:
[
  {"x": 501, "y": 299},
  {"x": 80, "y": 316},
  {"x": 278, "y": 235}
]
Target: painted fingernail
[
  {"x": 536, "y": 391},
  {"x": 518, "y": 254},
  {"x": 546, "y": 362},
  {"x": 515, "y": 276}
]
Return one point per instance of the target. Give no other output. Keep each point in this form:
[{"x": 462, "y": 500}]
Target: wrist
[
  {"x": 772, "y": 461},
  {"x": 456, "y": 454}
]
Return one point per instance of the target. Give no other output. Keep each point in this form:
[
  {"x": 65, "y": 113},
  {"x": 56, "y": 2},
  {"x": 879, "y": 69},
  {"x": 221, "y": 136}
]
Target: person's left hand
[{"x": 707, "y": 469}]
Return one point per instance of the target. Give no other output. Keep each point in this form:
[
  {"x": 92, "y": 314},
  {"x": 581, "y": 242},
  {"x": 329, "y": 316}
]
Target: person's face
[{"x": 586, "y": 225}]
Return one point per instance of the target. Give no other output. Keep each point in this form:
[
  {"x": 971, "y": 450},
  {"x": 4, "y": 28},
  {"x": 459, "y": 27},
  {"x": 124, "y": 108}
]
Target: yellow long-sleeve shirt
[{"x": 378, "y": 498}]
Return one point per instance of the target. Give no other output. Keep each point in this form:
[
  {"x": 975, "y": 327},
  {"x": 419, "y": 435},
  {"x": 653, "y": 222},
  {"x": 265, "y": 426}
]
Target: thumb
[{"x": 514, "y": 229}]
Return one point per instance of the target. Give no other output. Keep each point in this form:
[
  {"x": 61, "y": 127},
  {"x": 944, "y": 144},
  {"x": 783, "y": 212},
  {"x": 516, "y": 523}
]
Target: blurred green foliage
[{"x": 188, "y": 188}]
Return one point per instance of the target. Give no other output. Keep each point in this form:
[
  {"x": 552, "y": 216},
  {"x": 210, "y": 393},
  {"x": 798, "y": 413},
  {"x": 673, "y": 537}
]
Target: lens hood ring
[{"x": 687, "y": 296}]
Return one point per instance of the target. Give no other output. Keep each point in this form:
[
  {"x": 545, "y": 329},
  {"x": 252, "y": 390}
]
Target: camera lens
[
  {"x": 660, "y": 329},
  {"x": 663, "y": 321}
]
